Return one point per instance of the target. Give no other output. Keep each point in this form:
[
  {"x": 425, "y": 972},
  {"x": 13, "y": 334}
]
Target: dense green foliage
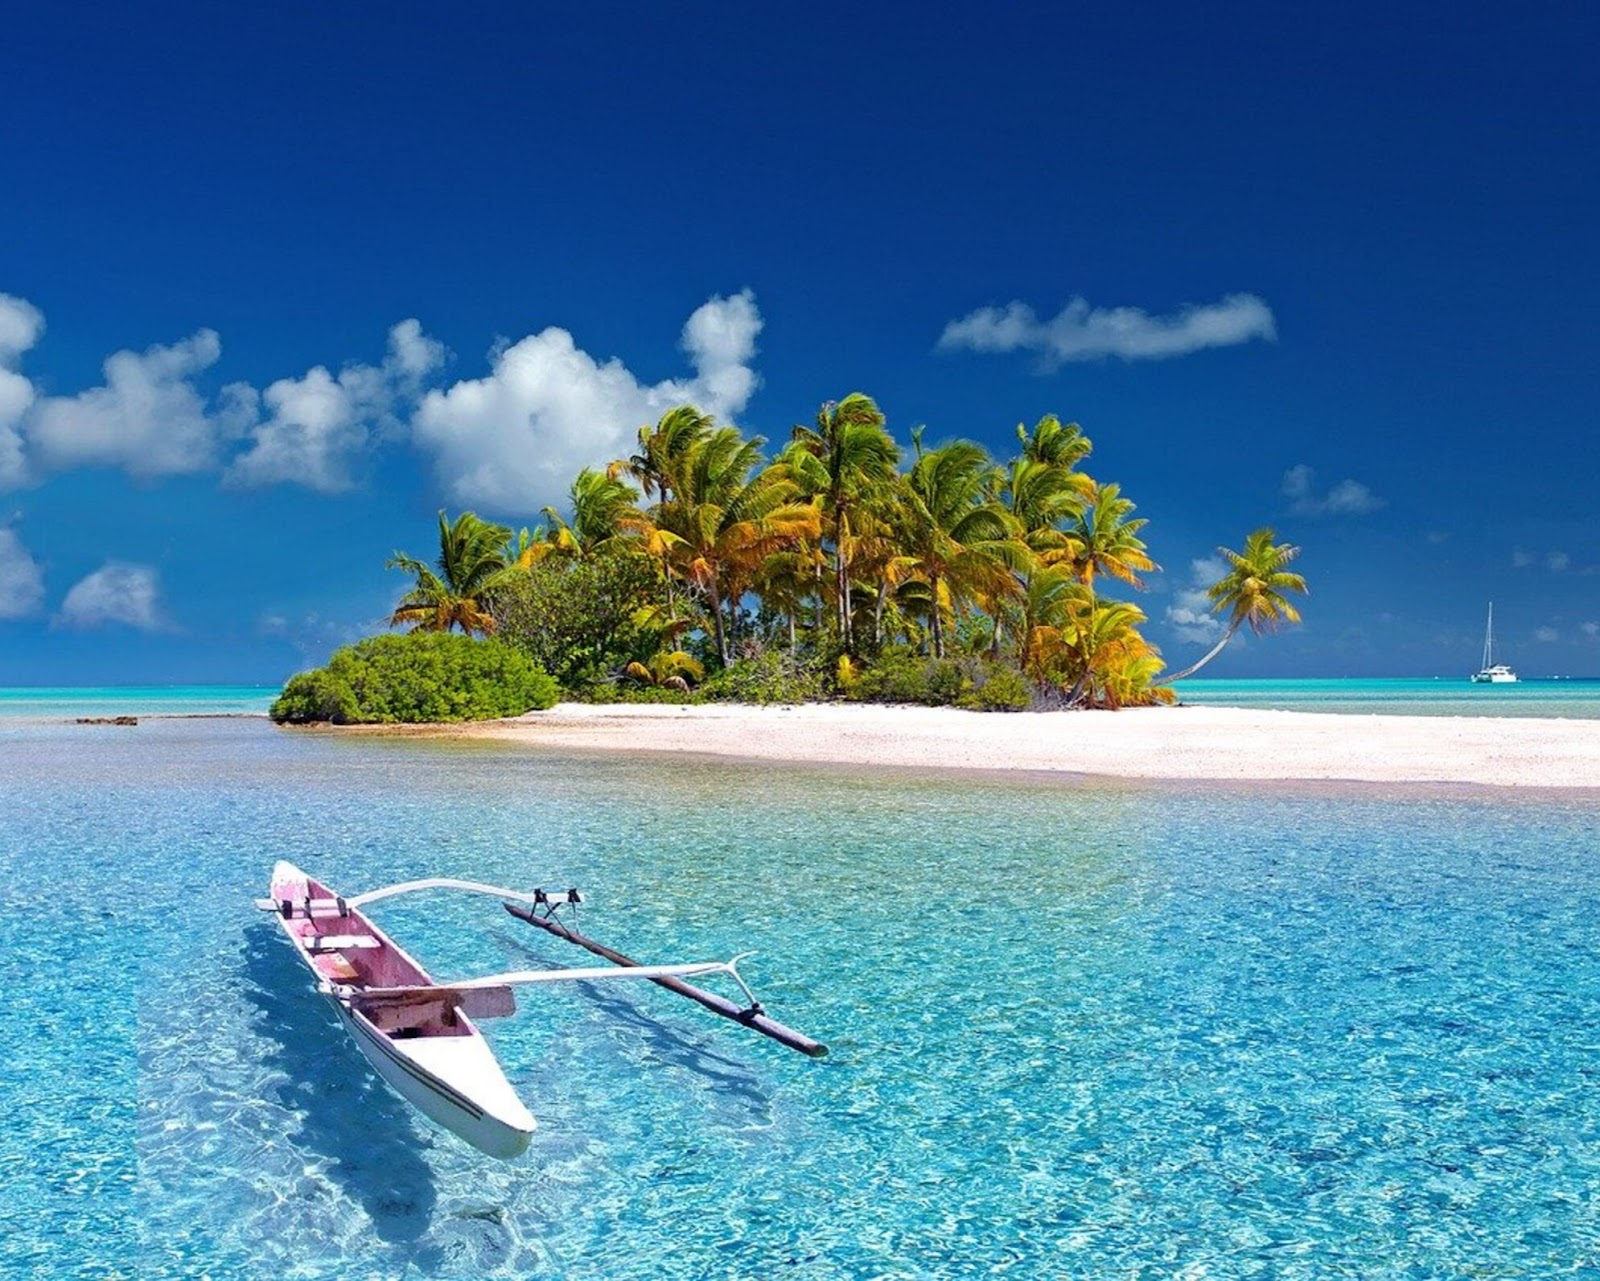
[
  {"x": 901, "y": 675},
  {"x": 578, "y": 617},
  {"x": 414, "y": 679},
  {"x": 772, "y": 676}
]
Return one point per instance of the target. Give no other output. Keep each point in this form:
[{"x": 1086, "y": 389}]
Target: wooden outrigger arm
[{"x": 753, "y": 1016}]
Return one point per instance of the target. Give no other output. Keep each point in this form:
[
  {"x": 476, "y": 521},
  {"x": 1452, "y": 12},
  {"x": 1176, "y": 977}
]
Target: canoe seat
[
  {"x": 340, "y": 942},
  {"x": 333, "y": 966}
]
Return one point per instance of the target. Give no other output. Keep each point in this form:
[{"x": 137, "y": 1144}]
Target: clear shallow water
[
  {"x": 1444, "y": 696},
  {"x": 1078, "y": 1030}
]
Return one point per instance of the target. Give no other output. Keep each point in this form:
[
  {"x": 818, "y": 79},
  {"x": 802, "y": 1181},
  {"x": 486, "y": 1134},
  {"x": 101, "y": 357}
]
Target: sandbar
[{"x": 1149, "y": 743}]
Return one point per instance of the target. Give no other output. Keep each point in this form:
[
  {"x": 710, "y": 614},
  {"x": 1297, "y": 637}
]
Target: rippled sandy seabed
[{"x": 1079, "y": 1028}]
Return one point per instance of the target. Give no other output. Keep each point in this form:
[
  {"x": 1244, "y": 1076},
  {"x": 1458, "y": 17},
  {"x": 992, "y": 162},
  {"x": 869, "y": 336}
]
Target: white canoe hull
[
  {"x": 437, "y": 1062},
  {"x": 455, "y": 1082}
]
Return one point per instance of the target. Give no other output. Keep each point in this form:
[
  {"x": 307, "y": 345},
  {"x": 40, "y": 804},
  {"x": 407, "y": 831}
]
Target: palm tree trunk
[
  {"x": 938, "y": 618},
  {"x": 841, "y": 585},
  {"x": 877, "y": 613},
  {"x": 1215, "y": 650},
  {"x": 716, "y": 624},
  {"x": 1076, "y": 692}
]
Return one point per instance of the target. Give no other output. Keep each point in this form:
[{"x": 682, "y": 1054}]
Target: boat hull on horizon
[{"x": 1499, "y": 674}]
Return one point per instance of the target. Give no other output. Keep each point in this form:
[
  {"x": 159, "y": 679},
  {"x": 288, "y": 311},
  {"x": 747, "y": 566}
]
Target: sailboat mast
[{"x": 1488, "y": 640}]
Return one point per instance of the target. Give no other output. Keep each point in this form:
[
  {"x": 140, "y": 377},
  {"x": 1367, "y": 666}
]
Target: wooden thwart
[
  {"x": 476, "y": 1002},
  {"x": 751, "y": 1018}
]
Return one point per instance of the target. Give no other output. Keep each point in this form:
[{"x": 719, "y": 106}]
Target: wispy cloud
[
  {"x": 21, "y": 580},
  {"x": 1081, "y": 332},
  {"x": 1547, "y": 634},
  {"x": 1347, "y": 498},
  {"x": 316, "y": 637},
  {"x": 1557, "y": 562},
  {"x": 1190, "y": 612},
  {"x": 117, "y": 592},
  {"x": 1591, "y": 630},
  {"x": 513, "y": 440}
]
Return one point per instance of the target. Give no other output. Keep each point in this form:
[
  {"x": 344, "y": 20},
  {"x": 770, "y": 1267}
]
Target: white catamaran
[
  {"x": 1492, "y": 673},
  {"x": 419, "y": 1034}
]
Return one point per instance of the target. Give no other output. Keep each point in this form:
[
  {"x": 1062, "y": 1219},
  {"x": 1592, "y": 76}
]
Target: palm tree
[
  {"x": 845, "y": 457},
  {"x": 668, "y": 669},
  {"x": 725, "y": 517},
  {"x": 601, "y": 507},
  {"x": 664, "y": 450},
  {"x": 1055, "y": 443},
  {"x": 473, "y": 563},
  {"x": 1252, "y": 591},
  {"x": 1090, "y": 647},
  {"x": 1105, "y": 540},
  {"x": 955, "y": 536}
]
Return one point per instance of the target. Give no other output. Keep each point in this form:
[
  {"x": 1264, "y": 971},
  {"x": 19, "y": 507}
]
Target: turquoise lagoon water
[
  {"x": 46, "y": 703},
  {"x": 1411, "y": 696},
  {"x": 1078, "y": 1029}
]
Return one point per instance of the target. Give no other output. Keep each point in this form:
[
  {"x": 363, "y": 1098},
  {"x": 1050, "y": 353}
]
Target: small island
[{"x": 843, "y": 567}]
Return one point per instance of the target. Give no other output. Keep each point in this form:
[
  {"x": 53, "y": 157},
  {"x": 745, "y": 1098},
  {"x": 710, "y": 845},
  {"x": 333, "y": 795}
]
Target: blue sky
[{"x": 279, "y": 284}]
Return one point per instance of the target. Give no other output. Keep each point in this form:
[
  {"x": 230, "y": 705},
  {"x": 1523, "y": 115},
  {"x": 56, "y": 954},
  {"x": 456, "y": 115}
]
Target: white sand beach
[{"x": 1154, "y": 743}]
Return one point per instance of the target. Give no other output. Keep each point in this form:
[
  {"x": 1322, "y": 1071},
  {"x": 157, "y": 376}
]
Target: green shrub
[
  {"x": 900, "y": 675},
  {"x": 416, "y": 678},
  {"x": 774, "y": 676},
  {"x": 1003, "y": 689}
]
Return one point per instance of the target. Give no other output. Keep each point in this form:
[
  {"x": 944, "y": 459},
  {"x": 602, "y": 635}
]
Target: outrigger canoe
[{"x": 419, "y": 1034}]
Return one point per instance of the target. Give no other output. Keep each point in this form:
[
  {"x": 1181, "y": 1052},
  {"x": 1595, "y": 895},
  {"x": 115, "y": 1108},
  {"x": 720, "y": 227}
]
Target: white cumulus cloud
[
  {"x": 20, "y": 326},
  {"x": 1082, "y": 332},
  {"x": 317, "y": 424},
  {"x": 21, "y": 582},
  {"x": 147, "y": 419},
  {"x": 1190, "y": 612},
  {"x": 1591, "y": 630},
  {"x": 512, "y": 441},
  {"x": 117, "y": 592},
  {"x": 1347, "y": 498}
]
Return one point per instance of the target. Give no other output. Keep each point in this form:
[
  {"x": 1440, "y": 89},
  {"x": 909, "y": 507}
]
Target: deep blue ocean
[{"x": 1079, "y": 1029}]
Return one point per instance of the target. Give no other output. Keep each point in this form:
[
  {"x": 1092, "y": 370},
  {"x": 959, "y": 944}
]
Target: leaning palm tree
[
  {"x": 845, "y": 457},
  {"x": 1252, "y": 591},
  {"x": 472, "y": 565}
]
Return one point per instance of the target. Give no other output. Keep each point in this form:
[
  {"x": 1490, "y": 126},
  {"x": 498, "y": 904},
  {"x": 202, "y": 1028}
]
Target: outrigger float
[{"x": 419, "y": 1034}]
